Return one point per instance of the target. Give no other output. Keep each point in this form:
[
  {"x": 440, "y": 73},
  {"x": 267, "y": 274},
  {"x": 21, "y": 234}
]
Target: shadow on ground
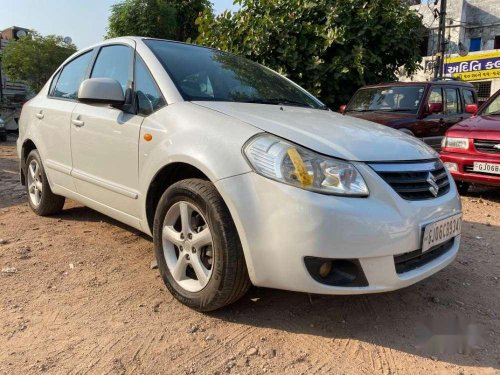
[{"x": 396, "y": 320}]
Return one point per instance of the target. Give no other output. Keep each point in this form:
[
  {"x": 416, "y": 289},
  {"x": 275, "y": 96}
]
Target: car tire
[
  {"x": 3, "y": 138},
  {"x": 40, "y": 197},
  {"x": 462, "y": 187},
  {"x": 228, "y": 277}
]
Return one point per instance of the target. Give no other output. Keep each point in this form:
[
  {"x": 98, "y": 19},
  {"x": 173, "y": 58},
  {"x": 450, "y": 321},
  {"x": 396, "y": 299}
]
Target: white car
[{"x": 240, "y": 176}]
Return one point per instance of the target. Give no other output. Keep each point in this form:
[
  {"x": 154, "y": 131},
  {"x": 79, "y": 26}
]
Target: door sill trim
[{"x": 105, "y": 184}]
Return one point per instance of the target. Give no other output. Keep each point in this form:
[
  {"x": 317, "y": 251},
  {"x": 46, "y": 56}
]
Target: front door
[{"x": 104, "y": 140}]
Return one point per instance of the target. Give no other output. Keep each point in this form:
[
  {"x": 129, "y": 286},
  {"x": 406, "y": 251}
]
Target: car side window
[
  {"x": 452, "y": 101},
  {"x": 71, "y": 76},
  {"x": 113, "y": 62},
  {"x": 149, "y": 98},
  {"x": 436, "y": 96},
  {"x": 469, "y": 97},
  {"x": 53, "y": 83}
]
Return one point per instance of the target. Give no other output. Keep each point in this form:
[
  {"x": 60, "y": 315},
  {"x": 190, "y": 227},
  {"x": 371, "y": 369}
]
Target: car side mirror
[
  {"x": 434, "y": 108},
  {"x": 343, "y": 108},
  {"x": 101, "y": 90},
  {"x": 471, "y": 108}
]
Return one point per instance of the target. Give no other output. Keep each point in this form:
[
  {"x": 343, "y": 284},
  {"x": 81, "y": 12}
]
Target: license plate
[
  {"x": 486, "y": 167},
  {"x": 441, "y": 231}
]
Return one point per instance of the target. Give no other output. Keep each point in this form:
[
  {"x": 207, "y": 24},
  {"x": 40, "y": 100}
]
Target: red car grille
[{"x": 488, "y": 146}]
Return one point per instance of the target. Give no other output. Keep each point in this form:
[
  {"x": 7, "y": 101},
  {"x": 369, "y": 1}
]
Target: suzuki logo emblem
[
  {"x": 433, "y": 188},
  {"x": 497, "y": 146}
]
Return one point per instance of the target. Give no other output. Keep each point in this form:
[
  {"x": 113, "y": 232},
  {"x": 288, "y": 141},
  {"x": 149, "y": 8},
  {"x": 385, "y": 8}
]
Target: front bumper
[
  {"x": 465, "y": 162},
  {"x": 280, "y": 226}
]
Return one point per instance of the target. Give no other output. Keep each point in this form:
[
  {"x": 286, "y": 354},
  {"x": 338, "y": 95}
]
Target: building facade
[
  {"x": 12, "y": 94},
  {"x": 10, "y": 90},
  {"x": 473, "y": 42}
]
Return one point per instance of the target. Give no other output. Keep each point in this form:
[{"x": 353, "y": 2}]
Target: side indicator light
[{"x": 148, "y": 137}]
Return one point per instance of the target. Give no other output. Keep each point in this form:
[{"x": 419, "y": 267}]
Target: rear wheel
[
  {"x": 3, "y": 138},
  {"x": 40, "y": 197},
  {"x": 197, "y": 248},
  {"x": 462, "y": 187}
]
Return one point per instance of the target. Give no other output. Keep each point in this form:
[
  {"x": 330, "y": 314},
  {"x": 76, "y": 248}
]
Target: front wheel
[{"x": 197, "y": 247}]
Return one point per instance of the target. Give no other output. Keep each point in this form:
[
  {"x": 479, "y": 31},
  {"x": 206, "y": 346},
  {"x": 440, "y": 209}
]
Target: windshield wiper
[
  {"x": 394, "y": 110},
  {"x": 277, "y": 101}
]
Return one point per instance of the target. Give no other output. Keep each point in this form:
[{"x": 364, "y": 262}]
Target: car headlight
[
  {"x": 455, "y": 142},
  {"x": 283, "y": 161}
]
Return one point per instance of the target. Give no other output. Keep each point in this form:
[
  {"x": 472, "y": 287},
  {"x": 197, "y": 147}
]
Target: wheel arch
[
  {"x": 163, "y": 179},
  {"x": 26, "y": 148}
]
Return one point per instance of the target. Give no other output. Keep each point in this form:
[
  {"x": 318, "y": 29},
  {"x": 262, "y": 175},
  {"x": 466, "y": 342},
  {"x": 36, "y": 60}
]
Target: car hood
[
  {"x": 483, "y": 127},
  {"x": 328, "y": 132}
]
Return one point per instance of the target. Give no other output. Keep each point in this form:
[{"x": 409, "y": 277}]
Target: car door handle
[
  {"x": 78, "y": 123},
  {"x": 40, "y": 115}
]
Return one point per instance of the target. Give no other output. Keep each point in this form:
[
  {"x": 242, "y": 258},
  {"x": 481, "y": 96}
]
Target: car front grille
[
  {"x": 488, "y": 146},
  {"x": 415, "y": 181},
  {"x": 415, "y": 259}
]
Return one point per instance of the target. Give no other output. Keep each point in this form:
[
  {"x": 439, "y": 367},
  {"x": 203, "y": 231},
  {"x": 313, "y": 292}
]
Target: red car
[
  {"x": 471, "y": 148},
  {"x": 423, "y": 109}
]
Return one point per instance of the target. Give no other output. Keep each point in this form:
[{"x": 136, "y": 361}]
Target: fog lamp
[
  {"x": 325, "y": 269},
  {"x": 452, "y": 167}
]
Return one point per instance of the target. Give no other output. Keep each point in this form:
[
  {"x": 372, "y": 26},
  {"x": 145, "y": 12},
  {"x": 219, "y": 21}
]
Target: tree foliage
[
  {"x": 33, "y": 58},
  {"x": 330, "y": 47},
  {"x": 165, "y": 19}
]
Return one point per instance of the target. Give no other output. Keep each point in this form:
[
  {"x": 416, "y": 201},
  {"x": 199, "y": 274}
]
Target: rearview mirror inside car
[{"x": 101, "y": 90}]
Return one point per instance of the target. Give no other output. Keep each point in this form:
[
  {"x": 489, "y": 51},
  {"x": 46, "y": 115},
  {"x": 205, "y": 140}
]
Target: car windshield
[
  {"x": 493, "y": 108},
  {"x": 203, "y": 74},
  {"x": 389, "y": 98}
]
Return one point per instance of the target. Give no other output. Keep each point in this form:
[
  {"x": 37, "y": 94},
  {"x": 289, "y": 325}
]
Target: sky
[{"x": 84, "y": 21}]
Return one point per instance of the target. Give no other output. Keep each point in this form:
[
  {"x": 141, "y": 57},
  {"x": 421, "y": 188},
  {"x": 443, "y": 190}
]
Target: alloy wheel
[
  {"x": 35, "y": 185},
  {"x": 188, "y": 246}
]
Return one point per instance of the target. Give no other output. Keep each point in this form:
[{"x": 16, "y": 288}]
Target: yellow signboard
[{"x": 474, "y": 67}]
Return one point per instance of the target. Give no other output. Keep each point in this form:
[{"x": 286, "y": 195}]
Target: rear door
[
  {"x": 104, "y": 139},
  {"x": 53, "y": 117},
  {"x": 454, "y": 111}
]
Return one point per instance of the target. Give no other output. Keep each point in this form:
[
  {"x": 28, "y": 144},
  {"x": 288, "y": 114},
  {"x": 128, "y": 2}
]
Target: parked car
[
  {"x": 423, "y": 109},
  {"x": 3, "y": 130},
  {"x": 238, "y": 174},
  {"x": 471, "y": 149}
]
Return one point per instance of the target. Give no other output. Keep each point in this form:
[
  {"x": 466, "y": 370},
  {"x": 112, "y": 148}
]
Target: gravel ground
[{"x": 78, "y": 295}]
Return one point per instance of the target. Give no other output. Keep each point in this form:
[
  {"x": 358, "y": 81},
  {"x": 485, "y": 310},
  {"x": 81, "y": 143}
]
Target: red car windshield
[
  {"x": 493, "y": 108},
  {"x": 389, "y": 98}
]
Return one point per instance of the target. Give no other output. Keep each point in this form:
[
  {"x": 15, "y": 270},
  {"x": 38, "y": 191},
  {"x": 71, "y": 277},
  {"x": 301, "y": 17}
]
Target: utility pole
[{"x": 438, "y": 69}]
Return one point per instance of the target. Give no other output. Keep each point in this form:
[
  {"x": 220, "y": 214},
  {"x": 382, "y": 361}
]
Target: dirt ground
[{"x": 78, "y": 295}]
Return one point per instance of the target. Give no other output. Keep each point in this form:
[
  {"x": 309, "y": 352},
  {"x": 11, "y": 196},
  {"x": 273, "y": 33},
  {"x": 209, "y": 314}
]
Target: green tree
[
  {"x": 33, "y": 58},
  {"x": 330, "y": 47},
  {"x": 165, "y": 19}
]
